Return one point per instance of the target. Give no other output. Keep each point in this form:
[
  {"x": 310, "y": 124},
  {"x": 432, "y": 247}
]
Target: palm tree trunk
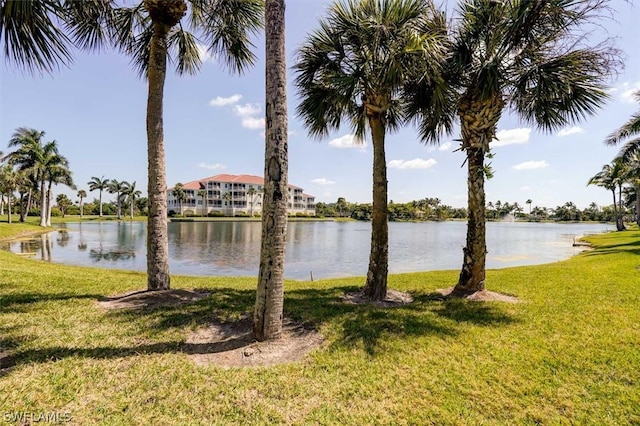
[
  {"x": 472, "y": 275},
  {"x": 157, "y": 238},
  {"x": 621, "y": 226},
  {"x": 80, "y": 207},
  {"x": 268, "y": 311},
  {"x": 9, "y": 206},
  {"x": 49, "y": 206},
  {"x": 43, "y": 204},
  {"x": 1, "y": 204},
  {"x": 375, "y": 287},
  {"x": 638, "y": 204},
  {"x": 131, "y": 212},
  {"x": 478, "y": 119},
  {"x": 100, "y": 201}
]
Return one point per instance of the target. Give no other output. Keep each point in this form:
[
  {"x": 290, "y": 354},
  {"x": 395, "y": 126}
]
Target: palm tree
[
  {"x": 118, "y": 187},
  {"x": 228, "y": 201},
  {"x": 82, "y": 194},
  {"x": 355, "y": 67},
  {"x": 9, "y": 181},
  {"x": 630, "y": 157},
  {"x": 202, "y": 193},
  {"x": 629, "y": 132},
  {"x": 529, "y": 201},
  {"x": 251, "y": 193},
  {"x": 267, "y": 314},
  {"x": 226, "y": 25},
  {"x": 40, "y": 161},
  {"x": 530, "y": 56},
  {"x": 178, "y": 192},
  {"x": 612, "y": 177},
  {"x": 132, "y": 195},
  {"x": 101, "y": 184}
]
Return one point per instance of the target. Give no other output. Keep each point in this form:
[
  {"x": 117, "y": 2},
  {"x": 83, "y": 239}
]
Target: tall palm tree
[
  {"x": 355, "y": 68},
  {"x": 57, "y": 173},
  {"x": 267, "y": 314},
  {"x": 82, "y": 194},
  {"x": 529, "y": 201},
  {"x": 529, "y": 56},
  {"x": 178, "y": 192},
  {"x": 202, "y": 193},
  {"x": 10, "y": 179},
  {"x": 132, "y": 195},
  {"x": 118, "y": 188},
  {"x": 612, "y": 177},
  {"x": 150, "y": 32},
  {"x": 100, "y": 184},
  {"x": 630, "y": 157}
]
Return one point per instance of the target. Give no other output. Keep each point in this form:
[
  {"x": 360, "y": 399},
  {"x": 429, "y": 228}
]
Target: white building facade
[{"x": 232, "y": 195}]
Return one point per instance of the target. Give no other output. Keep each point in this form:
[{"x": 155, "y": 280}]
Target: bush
[
  {"x": 215, "y": 213},
  {"x": 301, "y": 214},
  {"x": 55, "y": 212},
  {"x": 241, "y": 214}
]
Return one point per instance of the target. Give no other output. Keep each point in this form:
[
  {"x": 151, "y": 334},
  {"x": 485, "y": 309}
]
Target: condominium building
[{"x": 232, "y": 195}]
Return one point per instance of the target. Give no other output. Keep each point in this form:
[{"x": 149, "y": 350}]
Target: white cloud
[
  {"x": 347, "y": 141},
  {"x": 416, "y": 163},
  {"x": 220, "y": 101},
  {"x": 253, "y": 123},
  {"x": 531, "y": 165},
  {"x": 327, "y": 193},
  {"x": 575, "y": 130},
  {"x": 249, "y": 113},
  {"x": 524, "y": 188},
  {"x": 627, "y": 91},
  {"x": 512, "y": 136},
  {"x": 215, "y": 166},
  {"x": 445, "y": 146},
  {"x": 323, "y": 181},
  {"x": 205, "y": 56}
]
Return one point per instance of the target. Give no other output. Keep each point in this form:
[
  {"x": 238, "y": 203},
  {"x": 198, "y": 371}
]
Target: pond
[{"x": 326, "y": 249}]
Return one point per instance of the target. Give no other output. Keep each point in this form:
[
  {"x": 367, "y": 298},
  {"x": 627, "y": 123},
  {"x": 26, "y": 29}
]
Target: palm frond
[
  {"x": 184, "y": 51},
  {"x": 90, "y": 22},
  {"x": 628, "y": 129},
  {"x": 227, "y": 27},
  {"x": 33, "y": 39}
]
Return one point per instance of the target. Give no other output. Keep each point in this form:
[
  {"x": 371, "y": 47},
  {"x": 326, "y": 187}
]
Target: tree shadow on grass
[
  {"x": 367, "y": 326},
  {"x": 13, "y": 301}
]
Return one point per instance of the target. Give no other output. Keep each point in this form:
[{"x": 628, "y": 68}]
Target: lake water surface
[{"x": 328, "y": 249}]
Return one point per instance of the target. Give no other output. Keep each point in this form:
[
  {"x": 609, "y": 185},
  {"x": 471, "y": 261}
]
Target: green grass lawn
[{"x": 568, "y": 354}]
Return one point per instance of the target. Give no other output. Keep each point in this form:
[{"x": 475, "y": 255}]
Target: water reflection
[{"x": 326, "y": 249}]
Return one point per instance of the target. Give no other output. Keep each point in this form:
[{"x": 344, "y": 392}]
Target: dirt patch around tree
[
  {"x": 479, "y": 296},
  {"x": 151, "y": 299},
  {"x": 394, "y": 299},
  {"x": 231, "y": 344}
]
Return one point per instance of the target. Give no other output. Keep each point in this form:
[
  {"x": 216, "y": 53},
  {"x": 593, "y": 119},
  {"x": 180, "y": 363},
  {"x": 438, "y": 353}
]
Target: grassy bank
[{"x": 570, "y": 353}]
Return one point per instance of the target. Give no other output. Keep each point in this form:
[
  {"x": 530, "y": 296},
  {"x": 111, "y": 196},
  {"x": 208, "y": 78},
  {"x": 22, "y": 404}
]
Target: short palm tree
[
  {"x": 58, "y": 174},
  {"x": 118, "y": 188},
  {"x": 82, "y": 194},
  {"x": 529, "y": 56},
  {"x": 10, "y": 179},
  {"x": 355, "y": 68},
  {"x": 100, "y": 184},
  {"x": 612, "y": 177}
]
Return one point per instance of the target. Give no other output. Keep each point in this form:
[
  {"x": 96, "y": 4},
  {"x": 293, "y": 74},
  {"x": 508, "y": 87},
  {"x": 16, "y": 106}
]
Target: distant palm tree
[
  {"x": 82, "y": 194},
  {"x": 181, "y": 196},
  {"x": 101, "y": 184},
  {"x": 228, "y": 201},
  {"x": 529, "y": 56},
  {"x": 118, "y": 187},
  {"x": 202, "y": 193},
  {"x": 251, "y": 193},
  {"x": 9, "y": 181},
  {"x": 529, "y": 201},
  {"x": 612, "y": 177},
  {"x": 355, "y": 67},
  {"x": 132, "y": 195},
  {"x": 40, "y": 161}
]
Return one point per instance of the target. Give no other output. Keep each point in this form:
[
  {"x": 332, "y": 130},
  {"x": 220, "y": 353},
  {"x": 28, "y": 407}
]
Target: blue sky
[{"x": 213, "y": 123}]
